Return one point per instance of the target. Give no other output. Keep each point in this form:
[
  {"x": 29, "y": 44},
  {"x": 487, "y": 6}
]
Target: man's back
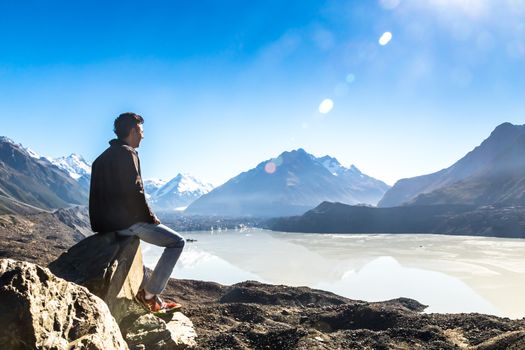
[{"x": 117, "y": 198}]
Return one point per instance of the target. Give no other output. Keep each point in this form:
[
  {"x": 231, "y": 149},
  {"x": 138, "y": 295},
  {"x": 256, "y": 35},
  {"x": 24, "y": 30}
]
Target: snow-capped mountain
[
  {"x": 20, "y": 147},
  {"x": 290, "y": 184},
  {"x": 45, "y": 182},
  {"x": 27, "y": 178},
  {"x": 333, "y": 165},
  {"x": 74, "y": 165},
  {"x": 151, "y": 186},
  {"x": 178, "y": 193}
]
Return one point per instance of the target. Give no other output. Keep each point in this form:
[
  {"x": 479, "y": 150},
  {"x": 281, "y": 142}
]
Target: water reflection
[{"x": 450, "y": 274}]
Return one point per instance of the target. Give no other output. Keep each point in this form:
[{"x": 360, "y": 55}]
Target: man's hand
[{"x": 156, "y": 220}]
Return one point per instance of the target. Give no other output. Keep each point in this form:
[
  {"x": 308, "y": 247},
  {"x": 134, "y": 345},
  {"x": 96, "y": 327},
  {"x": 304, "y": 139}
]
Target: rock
[
  {"x": 147, "y": 331},
  {"x": 111, "y": 267},
  {"x": 40, "y": 310}
]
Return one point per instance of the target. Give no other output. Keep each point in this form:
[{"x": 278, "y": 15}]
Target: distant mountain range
[
  {"x": 28, "y": 182},
  {"x": 481, "y": 194},
  {"x": 290, "y": 184},
  {"x": 490, "y": 176},
  {"x": 492, "y": 173},
  {"x": 175, "y": 194}
]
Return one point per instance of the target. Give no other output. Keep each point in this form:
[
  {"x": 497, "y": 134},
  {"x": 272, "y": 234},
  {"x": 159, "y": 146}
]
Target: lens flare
[
  {"x": 326, "y": 106},
  {"x": 270, "y": 167},
  {"x": 385, "y": 38}
]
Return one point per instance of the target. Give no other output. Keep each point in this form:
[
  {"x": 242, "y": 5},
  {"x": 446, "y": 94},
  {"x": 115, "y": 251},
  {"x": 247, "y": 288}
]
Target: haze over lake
[{"x": 448, "y": 273}]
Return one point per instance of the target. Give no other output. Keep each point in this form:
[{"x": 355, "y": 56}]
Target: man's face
[{"x": 137, "y": 134}]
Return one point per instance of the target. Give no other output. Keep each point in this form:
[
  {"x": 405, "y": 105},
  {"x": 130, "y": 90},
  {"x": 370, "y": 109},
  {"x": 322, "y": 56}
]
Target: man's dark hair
[{"x": 125, "y": 122}]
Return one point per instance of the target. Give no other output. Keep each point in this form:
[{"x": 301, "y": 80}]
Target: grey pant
[{"x": 163, "y": 236}]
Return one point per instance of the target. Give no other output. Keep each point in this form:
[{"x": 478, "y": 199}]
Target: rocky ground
[
  {"x": 37, "y": 238},
  {"x": 251, "y": 315}
]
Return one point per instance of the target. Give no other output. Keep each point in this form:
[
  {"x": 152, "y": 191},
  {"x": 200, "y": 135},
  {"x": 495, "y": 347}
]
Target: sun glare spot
[
  {"x": 270, "y": 167},
  {"x": 385, "y": 38},
  {"x": 350, "y": 78},
  {"x": 326, "y": 106}
]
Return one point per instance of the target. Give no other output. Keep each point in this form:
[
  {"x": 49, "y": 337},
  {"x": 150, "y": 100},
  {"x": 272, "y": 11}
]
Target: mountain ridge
[
  {"x": 288, "y": 184},
  {"x": 475, "y": 179},
  {"x": 35, "y": 181}
]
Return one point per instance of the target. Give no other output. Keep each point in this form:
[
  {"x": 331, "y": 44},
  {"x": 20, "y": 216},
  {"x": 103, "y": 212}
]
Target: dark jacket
[{"x": 116, "y": 198}]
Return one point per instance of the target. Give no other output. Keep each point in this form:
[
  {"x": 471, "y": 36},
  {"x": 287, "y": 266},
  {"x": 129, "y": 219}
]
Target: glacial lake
[{"x": 450, "y": 274}]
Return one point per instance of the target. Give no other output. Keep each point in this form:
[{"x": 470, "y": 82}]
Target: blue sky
[{"x": 225, "y": 85}]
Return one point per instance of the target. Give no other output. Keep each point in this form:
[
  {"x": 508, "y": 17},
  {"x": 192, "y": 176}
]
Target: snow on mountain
[
  {"x": 151, "y": 186},
  {"x": 184, "y": 183},
  {"x": 28, "y": 150},
  {"x": 333, "y": 166},
  {"x": 179, "y": 192},
  {"x": 7, "y": 140},
  {"x": 73, "y": 164},
  {"x": 32, "y": 153},
  {"x": 28, "y": 178}
]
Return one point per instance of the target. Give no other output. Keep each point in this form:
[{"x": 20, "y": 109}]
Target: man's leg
[{"x": 162, "y": 236}]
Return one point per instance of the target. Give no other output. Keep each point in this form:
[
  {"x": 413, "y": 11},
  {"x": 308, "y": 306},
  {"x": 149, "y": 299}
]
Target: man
[{"x": 117, "y": 203}]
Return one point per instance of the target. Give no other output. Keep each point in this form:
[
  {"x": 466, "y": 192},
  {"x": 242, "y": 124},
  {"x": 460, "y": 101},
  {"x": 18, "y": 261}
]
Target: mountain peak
[
  {"x": 7, "y": 140},
  {"x": 300, "y": 152},
  {"x": 183, "y": 183},
  {"x": 506, "y": 129},
  {"x": 76, "y": 156},
  {"x": 74, "y": 165},
  {"x": 355, "y": 169}
]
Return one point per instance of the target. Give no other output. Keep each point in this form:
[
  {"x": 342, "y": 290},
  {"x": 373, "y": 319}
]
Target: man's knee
[{"x": 180, "y": 243}]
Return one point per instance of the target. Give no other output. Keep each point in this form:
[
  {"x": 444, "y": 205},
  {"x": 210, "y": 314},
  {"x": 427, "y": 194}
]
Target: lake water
[{"x": 448, "y": 273}]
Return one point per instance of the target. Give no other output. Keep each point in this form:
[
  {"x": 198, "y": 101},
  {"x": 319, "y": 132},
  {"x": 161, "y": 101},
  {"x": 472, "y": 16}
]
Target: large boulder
[
  {"x": 40, "y": 310},
  {"x": 111, "y": 267}
]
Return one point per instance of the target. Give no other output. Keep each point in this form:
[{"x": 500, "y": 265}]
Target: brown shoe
[{"x": 156, "y": 304}]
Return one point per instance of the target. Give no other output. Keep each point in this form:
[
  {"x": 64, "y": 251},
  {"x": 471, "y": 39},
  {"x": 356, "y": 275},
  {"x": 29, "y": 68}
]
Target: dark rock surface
[{"x": 252, "y": 315}]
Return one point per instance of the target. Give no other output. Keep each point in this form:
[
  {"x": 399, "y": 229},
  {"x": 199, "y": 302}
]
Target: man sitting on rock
[{"x": 117, "y": 203}]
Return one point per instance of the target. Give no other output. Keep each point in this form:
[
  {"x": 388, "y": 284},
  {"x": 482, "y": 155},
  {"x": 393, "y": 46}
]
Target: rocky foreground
[{"x": 251, "y": 315}]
